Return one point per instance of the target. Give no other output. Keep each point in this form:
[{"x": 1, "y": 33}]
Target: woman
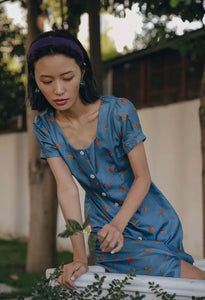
[{"x": 99, "y": 141}]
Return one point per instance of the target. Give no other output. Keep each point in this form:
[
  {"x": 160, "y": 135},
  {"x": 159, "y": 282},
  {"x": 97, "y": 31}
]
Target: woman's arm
[
  {"x": 111, "y": 233},
  {"x": 69, "y": 201}
]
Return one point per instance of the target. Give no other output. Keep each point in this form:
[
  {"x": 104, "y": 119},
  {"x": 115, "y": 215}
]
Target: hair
[{"x": 88, "y": 93}]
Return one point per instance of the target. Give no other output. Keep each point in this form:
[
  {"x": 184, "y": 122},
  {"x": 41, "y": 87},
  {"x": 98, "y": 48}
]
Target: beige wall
[{"x": 173, "y": 150}]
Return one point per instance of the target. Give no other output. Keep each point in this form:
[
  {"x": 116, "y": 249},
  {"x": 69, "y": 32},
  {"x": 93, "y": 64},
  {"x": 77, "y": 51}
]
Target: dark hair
[{"x": 88, "y": 93}]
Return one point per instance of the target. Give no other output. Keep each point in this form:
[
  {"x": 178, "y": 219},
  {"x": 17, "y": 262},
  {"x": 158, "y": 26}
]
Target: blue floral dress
[{"x": 153, "y": 236}]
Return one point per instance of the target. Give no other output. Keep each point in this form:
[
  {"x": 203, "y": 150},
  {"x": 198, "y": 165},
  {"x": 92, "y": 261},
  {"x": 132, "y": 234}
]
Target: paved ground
[{"x": 4, "y": 288}]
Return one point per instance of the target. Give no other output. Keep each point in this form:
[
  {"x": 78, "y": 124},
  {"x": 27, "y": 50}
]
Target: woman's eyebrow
[{"x": 65, "y": 73}]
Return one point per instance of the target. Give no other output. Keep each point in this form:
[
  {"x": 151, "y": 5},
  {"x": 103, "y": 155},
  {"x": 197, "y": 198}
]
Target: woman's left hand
[{"x": 109, "y": 236}]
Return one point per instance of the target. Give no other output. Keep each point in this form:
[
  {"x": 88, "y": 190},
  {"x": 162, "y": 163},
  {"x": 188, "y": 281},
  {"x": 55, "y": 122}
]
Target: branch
[{"x": 2, "y": 1}]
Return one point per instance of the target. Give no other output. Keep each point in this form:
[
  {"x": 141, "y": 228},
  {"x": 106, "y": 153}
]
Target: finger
[
  {"x": 119, "y": 247},
  {"x": 109, "y": 242},
  {"x": 68, "y": 284},
  {"x": 79, "y": 272},
  {"x": 102, "y": 235}
]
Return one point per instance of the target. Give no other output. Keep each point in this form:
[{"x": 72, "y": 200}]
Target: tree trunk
[
  {"x": 41, "y": 252},
  {"x": 94, "y": 38},
  {"x": 202, "y": 123}
]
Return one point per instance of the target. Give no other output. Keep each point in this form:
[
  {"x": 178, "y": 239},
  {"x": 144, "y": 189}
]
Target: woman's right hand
[{"x": 71, "y": 272}]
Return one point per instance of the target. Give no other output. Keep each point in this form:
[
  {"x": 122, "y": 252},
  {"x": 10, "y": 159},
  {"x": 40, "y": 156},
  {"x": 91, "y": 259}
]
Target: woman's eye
[
  {"x": 68, "y": 79},
  {"x": 47, "y": 82}
]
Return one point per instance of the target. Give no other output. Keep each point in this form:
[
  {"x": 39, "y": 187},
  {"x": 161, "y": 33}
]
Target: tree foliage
[
  {"x": 187, "y": 9},
  {"x": 12, "y": 42}
]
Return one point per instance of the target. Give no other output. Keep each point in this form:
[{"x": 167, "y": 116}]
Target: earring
[
  {"x": 37, "y": 90},
  {"x": 83, "y": 83}
]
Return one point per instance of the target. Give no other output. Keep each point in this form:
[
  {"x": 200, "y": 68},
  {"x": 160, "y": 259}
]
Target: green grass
[{"x": 12, "y": 268}]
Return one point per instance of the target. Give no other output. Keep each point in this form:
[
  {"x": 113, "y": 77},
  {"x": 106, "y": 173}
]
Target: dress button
[
  {"x": 92, "y": 176},
  {"x": 82, "y": 153},
  {"x": 139, "y": 238},
  {"x": 104, "y": 194},
  {"x": 116, "y": 204}
]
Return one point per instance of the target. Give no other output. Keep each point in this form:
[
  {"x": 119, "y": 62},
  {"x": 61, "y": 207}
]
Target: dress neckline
[{"x": 65, "y": 138}]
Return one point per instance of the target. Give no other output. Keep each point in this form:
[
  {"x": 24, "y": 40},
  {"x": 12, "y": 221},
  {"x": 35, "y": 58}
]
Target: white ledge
[{"x": 183, "y": 288}]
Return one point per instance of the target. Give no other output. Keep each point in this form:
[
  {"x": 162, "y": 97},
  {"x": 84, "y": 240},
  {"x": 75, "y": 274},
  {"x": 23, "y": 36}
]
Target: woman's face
[{"x": 58, "y": 77}]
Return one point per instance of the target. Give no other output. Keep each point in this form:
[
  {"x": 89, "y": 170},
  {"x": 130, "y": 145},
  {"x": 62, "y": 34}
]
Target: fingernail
[
  {"x": 112, "y": 252},
  {"x": 72, "y": 278}
]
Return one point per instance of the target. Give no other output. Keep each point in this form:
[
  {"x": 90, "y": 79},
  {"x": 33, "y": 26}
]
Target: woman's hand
[
  {"x": 109, "y": 236},
  {"x": 71, "y": 272}
]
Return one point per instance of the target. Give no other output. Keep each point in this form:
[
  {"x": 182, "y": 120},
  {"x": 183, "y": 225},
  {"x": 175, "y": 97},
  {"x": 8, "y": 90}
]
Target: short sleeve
[
  {"x": 128, "y": 125},
  {"x": 41, "y": 131}
]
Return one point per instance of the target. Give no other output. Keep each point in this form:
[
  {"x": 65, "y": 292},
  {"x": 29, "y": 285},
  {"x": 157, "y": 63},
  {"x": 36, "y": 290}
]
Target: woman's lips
[{"x": 60, "y": 101}]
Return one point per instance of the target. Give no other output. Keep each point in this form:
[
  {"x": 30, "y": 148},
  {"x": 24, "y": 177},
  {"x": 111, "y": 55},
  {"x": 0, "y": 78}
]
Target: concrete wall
[{"x": 174, "y": 156}]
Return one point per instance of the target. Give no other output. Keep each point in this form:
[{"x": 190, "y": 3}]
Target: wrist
[
  {"x": 119, "y": 224},
  {"x": 82, "y": 259}
]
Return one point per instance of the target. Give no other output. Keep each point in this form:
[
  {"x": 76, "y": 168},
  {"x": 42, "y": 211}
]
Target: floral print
[{"x": 153, "y": 236}]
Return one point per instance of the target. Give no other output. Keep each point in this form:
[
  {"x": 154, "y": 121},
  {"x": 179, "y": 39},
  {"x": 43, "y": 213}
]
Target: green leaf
[
  {"x": 87, "y": 220},
  {"x": 174, "y": 3},
  {"x": 65, "y": 233},
  {"x": 74, "y": 225}
]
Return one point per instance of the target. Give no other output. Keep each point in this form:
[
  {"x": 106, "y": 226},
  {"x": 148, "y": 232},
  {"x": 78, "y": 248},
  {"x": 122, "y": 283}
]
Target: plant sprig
[{"x": 73, "y": 227}]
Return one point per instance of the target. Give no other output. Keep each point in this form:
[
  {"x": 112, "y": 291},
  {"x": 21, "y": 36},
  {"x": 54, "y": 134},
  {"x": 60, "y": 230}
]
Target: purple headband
[{"x": 55, "y": 41}]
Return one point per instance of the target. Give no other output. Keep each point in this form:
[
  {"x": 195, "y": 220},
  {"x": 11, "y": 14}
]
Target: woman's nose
[{"x": 59, "y": 89}]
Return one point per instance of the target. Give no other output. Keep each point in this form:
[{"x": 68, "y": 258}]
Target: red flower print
[
  {"x": 87, "y": 159},
  {"x": 106, "y": 127},
  {"x": 111, "y": 153},
  {"x": 136, "y": 126},
  {"x": 135, "y": 109},
  {"x": 148, "y": 270},
  {"x": 162, "y": 230},
  {"x": 123, "y": 133},
  {"x": 147, "y": 251},
  {"x": 135, "y": 223},
  {"x": 70, "y": 157},
  {"x": 161, "y": 211},
  {"x": 129, "y": 259},
  {"x": 92, "y": 226},
  {"x": 124, "y": 117},
  {"x": 144, "y": 208},
  {"x": 116, "y": 257},
  {"x": 46, "y": 130},
  {"x": 124, "y": 235},
  {"x": 106, "y": 208},
  {"x": 157, "y": 242},
  {"x": 85, "y": 207},
  {"x": 137, "y": 241},
  {"x": 81, "y": 170},
  {"x": 97, "y": 143},
  {"x": 111, "y": 169},
  {"x": 124, "y": 147},
  {"x": 104, "y": 217},
  {"x": 108, "y": 185},
  {"x": 122, "y": 173},
  {"x": 58, "y": 145},
  {"x": 41, "y": 134},
  {"x": 96, "y": 182},
  {"x": 97, "y": 165},
  {"x": 166, "y": 255},
  {"x": 151, "y": 229},
  {"x": 102, "y": 257},
  {"x": 51, "y": 120},
  {"x": 101, "y": 104},
  {"x": 123, "y": 100}
]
